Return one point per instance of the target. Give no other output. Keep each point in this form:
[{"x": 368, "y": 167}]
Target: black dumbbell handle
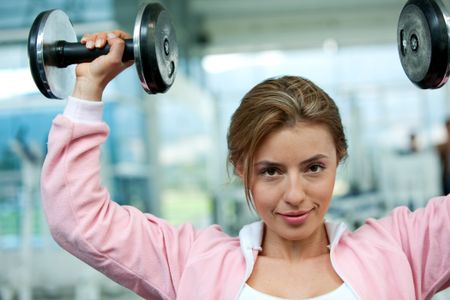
[{"x": 63, "y": 54}]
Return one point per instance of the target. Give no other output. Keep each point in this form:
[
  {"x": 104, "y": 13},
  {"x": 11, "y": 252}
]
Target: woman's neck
[{"x": 275, "y": 246}]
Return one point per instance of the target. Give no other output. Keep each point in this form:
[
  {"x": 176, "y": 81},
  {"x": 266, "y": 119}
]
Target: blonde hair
[{"x": 273, "y": 104}]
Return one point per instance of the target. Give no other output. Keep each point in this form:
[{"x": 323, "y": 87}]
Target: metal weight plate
[
  {"x": 155, "y": 48},
  {"x": 423, "y": 43},
  {"x": 48, "y": 27}
]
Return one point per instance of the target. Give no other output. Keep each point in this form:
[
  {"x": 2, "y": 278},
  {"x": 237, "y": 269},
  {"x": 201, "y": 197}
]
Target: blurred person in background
[{"x": 444, "y": 155}]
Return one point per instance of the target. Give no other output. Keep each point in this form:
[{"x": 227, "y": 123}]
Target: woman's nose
[{"x": 295, "y": 190}]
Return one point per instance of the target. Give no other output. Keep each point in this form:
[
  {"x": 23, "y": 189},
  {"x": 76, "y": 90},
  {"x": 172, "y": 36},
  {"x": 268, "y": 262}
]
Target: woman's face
[{"x": 293, "y": 178}]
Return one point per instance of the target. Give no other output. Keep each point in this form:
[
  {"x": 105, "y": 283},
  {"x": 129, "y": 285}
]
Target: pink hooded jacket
[{"x": 402, "y": 256}]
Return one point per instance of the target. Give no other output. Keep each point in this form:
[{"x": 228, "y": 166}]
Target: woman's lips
[{"x": 295, "y": 217}]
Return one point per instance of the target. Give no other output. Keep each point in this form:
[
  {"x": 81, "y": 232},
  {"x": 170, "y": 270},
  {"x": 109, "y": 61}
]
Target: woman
[{"x": 285, "y": 142}]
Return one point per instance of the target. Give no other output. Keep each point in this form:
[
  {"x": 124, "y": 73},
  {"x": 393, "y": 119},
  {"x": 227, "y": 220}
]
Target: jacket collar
[{"x": 250, "y": 237}]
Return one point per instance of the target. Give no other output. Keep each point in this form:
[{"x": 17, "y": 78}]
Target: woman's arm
[
  {"x": 139, "y": 251},
  {"x": 424, "y": 236}
]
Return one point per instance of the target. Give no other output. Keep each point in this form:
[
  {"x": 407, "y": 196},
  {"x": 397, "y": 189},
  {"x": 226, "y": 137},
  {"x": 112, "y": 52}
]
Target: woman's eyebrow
[
  {"x": 313, "y": 158},
  {"x": 305, "y": 162},
  {"x": 265, "y": 163}
]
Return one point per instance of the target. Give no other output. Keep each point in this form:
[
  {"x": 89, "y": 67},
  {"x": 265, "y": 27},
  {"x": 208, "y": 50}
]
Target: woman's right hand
[{"x": 92, "y": 77}]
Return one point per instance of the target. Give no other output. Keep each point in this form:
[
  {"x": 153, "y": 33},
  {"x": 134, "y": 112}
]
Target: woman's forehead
[{"x": 302, "y": 139}]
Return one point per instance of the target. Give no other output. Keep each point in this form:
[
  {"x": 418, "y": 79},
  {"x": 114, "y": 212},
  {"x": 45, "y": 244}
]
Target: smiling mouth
[
  {"x": 296, "y": 217},
  {"x": 296, "y": 213}
]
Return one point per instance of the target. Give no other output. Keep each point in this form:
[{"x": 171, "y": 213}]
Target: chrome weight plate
[
  {"x": 48, "y": 28},
  {"x": 423, "y": 43},
  {"x": 155, "y": 48}
]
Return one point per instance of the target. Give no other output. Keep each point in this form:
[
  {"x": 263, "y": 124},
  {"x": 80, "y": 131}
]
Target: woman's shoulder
[
  {"x": 402, "y": 224},
  {"x": 210, "y": 237}
]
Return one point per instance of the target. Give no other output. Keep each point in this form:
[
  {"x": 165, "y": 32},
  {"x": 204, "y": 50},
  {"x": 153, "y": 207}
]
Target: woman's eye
[
  {"x": 270, "y": 171},
  {"x": 316, "y": 168}
]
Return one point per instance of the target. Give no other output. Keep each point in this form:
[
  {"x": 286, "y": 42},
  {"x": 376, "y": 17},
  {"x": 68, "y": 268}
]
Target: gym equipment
[
  {"x": 53, "y": 50},
  {"x": 423, "y": 42}
]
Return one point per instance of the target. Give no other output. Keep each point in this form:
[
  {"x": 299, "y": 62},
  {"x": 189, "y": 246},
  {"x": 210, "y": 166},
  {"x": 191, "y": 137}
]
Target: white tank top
[{"x": 341, "y": 293}]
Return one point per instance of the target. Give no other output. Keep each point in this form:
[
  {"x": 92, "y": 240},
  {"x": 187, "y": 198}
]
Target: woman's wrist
[{"x": 87, "y": 90}]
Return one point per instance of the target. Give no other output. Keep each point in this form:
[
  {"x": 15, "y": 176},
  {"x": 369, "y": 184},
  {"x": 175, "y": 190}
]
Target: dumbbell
[
  {"x": 423, "y": 42},
  {"x": 53, "y": 51}
]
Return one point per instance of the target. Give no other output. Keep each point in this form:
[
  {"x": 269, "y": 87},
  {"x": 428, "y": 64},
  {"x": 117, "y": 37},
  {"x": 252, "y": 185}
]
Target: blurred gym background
[{"x": 167, "y": 153}]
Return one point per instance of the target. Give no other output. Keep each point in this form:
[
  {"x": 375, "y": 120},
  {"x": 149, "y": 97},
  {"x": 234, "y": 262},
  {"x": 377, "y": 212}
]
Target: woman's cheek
[{"x": 267, "y": 193}]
